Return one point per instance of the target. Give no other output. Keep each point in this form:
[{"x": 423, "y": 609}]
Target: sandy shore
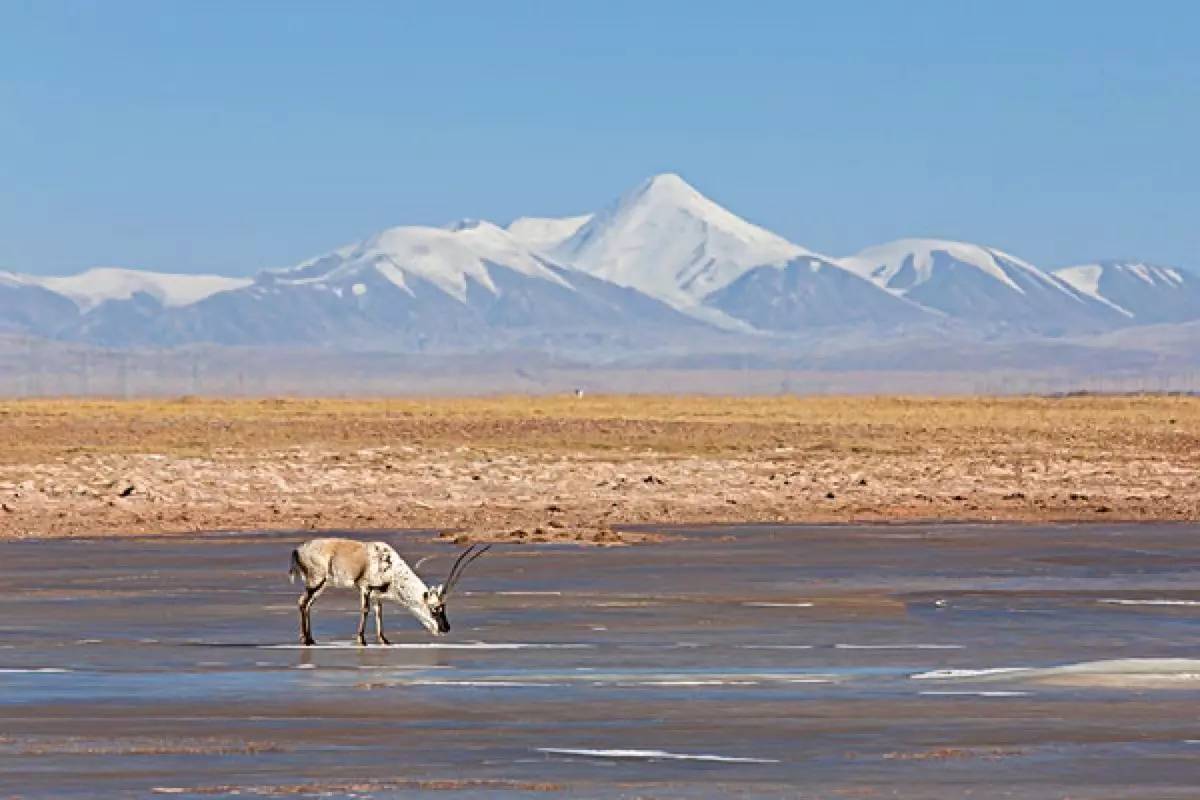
[{"x": 554, "y": 468}]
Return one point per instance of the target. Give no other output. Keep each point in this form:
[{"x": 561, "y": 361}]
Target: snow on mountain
[
  {"x": 28, "y": 308},
  {"x": 810, "y": 292},
  {"x": 1146, "y": 293},
  {"x": 671, "y": 242},
  {"x": 448, "y": 258},
  {"x": 545, "y": 233},
  {"x": 12, "y": 279},
  {"x": 981, "y": 285},
  {"x": 658, "y": 265},
  {"x": 468, "y": 285},
  {"x": 95, "y": 286}
]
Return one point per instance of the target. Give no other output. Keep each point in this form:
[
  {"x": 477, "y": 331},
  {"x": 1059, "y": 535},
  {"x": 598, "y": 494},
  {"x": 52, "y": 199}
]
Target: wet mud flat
[{"x": 878, "y": 661}]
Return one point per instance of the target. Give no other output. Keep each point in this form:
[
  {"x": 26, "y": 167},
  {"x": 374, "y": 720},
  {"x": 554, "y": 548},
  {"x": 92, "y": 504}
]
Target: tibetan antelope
[{"x": 377, "y": 571}]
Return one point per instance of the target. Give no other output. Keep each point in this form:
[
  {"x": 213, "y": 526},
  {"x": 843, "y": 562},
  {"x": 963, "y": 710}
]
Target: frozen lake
[{"x": 913, "y": 661}]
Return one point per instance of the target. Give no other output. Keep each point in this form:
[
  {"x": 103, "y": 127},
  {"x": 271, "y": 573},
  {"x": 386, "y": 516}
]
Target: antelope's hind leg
[
  {"x": 379, "y": 620},
  {"x": 361, "y": 638},
  {"x": 306, "y": 600}
]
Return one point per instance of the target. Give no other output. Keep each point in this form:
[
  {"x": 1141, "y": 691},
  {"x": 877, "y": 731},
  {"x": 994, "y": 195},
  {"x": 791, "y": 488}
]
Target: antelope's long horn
[
  {"x": 421, "y": 561},
  {"x": 454, "y": 567},
  {"x": 461, "y": 563}
]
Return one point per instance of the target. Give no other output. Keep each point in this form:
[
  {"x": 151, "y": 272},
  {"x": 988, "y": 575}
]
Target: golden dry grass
[
  {"x": 499, "y": 463},
  {"x": 41, "y": 429}
]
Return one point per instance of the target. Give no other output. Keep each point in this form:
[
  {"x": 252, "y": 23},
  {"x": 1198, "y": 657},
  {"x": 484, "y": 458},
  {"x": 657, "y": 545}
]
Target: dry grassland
[{"x": 546, "y": 468}]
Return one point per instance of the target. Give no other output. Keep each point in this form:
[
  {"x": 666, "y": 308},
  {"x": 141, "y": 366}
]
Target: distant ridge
[
  {"x": 662, "y": 268},
  {"x": 981, "y": 286},
  {"x": 1145, "y": 293}
]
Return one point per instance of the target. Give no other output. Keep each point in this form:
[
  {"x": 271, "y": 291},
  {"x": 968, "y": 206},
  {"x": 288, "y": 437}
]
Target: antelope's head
[{"x": 432, "y": 611}]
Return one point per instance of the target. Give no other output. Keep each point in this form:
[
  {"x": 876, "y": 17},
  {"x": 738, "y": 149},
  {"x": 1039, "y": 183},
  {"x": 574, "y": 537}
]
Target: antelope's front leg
[
  {"x": 379, "y": 620},
  {"x": 362, "y": 618},
  {"x": 305, "y": 604}
]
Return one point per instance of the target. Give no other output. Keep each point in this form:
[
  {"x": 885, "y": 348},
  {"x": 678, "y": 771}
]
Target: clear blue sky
[{"x": 230, "y": 136}]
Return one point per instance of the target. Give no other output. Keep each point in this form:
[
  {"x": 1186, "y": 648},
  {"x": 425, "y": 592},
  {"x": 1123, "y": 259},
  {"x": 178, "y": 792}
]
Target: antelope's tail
[{"x": 296, "y": 570}]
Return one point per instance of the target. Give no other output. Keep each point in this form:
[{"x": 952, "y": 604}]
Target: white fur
[{"x": 378, "y": 572}]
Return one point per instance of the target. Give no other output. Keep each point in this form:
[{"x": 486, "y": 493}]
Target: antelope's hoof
[
  {"x": 384, "y": 640},
  {"x": 308, "y": 642},
  {"x": 361, "y": 641}
]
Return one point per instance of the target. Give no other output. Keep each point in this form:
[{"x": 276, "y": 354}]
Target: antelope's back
[{"x": 340, "y": 561}]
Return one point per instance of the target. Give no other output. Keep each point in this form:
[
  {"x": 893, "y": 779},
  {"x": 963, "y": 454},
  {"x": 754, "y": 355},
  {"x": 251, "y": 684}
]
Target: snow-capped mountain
[
  {"x": 468, "y": 285},
  {"x": 545, "y": 233},
  {"x": 1145, "y": 293},
  {"x": 450, "y": 258},
  {"x": 671, "y": 242},
  {"x": 810, "y": 292},
  {"x": 659, "y": 267},
  {"x": 982, "y": 286},
  {"x": 27, "y": 306},
  {"x": 95, "y": 286}
]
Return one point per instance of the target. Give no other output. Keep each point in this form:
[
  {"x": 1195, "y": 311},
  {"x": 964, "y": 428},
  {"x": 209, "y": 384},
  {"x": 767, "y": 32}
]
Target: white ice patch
[
  {"x": 652, "y": 755},
  {"x": 484, "y": 684},
  {"x": 431, "y": 646},
  {"x": 694, "y": 683},
  {"x": 779, "y": 605},
  {"x": 1171, "y": 668},
  {"x": 776, "y": 646},
  {"x": 1134, "y": 671},
  {"x": 1155, "y": 602},
  {"x": 974, "y": 694},
  {"x": 530, "y": 594},
  {"x": 32, "y": 670},
  {"x": 668, "y": 679},
  {"x": 946, "y": 674},
  {"x": 627, "y": 604},
  {"x": 359, "y": 289},
  {"x": 899, "y": 646}
]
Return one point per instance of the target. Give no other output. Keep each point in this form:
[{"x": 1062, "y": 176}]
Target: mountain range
[{"x": 661, "y": 268}]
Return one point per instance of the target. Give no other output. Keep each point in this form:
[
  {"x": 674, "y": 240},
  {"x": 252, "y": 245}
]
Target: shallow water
[{"x": 911, "y": 661}]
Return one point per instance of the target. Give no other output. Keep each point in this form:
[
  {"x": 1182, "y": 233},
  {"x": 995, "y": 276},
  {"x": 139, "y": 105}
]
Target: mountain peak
[
  {"x": 667, "y": 239},
  {"x": 669, "y": 190},
  {"x": 667, "y": 183},
  {"x": 448, "y": 257}
]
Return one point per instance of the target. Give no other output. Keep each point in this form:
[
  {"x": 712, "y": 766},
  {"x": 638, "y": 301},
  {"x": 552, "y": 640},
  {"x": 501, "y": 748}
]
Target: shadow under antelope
[{"x": 378, "y": 572}]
